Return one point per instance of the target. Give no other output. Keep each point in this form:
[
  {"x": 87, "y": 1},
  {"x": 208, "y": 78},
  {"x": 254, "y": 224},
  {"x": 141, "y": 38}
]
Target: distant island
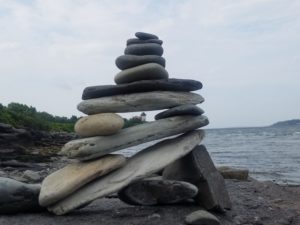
[{"x": 294, "y": 122}]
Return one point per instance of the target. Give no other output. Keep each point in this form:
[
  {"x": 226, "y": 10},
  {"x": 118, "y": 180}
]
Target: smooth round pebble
[
  {"x": 144, "y": 49},
  {"x": 139, "y": 41},
  {"x": 201, "y": 217},
  {"x": 128, "y": 61},
  {"x": 145, "y": 36},
  {"x": 99, "y": 125}
]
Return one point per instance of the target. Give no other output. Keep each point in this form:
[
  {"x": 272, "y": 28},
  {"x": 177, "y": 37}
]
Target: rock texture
[
  {"x": 127, "y": 61},
  {"x": 156, "y": 191},
  {"x": 88, "y": 148},
  {"x": 65, "y": 181},
  {"x": 145, "y": 36},
  {"x": 141, "y": 86},
  {"x": 233, "y": 173},
  {"x": 143, "y": 164},
  {"x": 99, "y": 125},
  {"x": 145, "y": 101},
  {"x": 144, "y": 49},
  {"x": 198, "y": 168},
  {"x": 148, "y": 71},
  {"x": 201, "y": 217},
  {"x": 18, "y": 197},
  {"x": 180, "y": 110},
  {"x": 139, "y": 41}
]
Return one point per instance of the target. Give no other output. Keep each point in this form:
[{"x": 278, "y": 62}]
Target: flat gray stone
[
  {"x": 145, "y": 36},
  {"x": 136, "y": 102},
  {"x": 198, "y": 168},
  {"x": 18, "y": 197},
  {"x": 201, "y": 217},
  {"x": 144, "y": 49},
  {"x": 141, "y": 86},
  {"x": 148, "y": 71},
  {"x": 180, "y": 110},
  {"x": 156, "y": 191},
  {"x": 139, "y": 41},
  {"x": 128, "y": 61},
  {"x": 142, "y": 164},
  {"x": 94, "y": 147}
]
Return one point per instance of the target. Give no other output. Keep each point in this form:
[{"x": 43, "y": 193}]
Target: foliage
[
  {"x": 132, "y": 122},
  {"x": 20, "y": 115}
]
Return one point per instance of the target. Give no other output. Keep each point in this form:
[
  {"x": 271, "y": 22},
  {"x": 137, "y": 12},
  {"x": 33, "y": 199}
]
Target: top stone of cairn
[{"x": 145, "y": 36}]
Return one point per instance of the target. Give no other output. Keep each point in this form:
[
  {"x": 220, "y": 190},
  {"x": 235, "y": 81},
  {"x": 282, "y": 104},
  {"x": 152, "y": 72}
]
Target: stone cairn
[{"x": 185, "y": 166}]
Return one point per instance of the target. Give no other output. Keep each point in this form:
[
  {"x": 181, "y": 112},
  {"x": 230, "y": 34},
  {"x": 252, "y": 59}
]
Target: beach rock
[
  {"x": 148, "y": 71},
  {"x": 93, "y": 147},
  {"x": 141, "y": 86},
  {"x": 32, "y": 175},
  {"x": 145, "y": 36},
  {"x": 233, "y": 173},
  {"x": 99, "y": 125},
  {"x": 198, "y": 168},
  {"x": 201, "y": 217},
  {"x": 139, "y": 41},
  {"x": 156, "y": 191},
  {"x": 65, "y": 181},
  {"x": 128, "y": 61},
  {"x": 142, "y": 164},
  {"x": 17, "y": 197},
  {"x": 136, "y": 102},
  {"x": 180, "y": 110},
  {"x": 144, "y": 49}
]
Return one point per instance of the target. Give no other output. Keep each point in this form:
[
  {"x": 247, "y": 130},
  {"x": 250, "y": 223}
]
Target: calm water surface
[{"x": 270, "y": 153}]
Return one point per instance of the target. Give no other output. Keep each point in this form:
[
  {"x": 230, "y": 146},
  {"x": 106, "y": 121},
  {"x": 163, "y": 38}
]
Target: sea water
[{"x": 270, "y": 153}]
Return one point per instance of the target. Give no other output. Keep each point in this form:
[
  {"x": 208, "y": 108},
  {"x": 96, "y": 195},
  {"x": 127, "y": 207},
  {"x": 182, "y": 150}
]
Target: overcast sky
[{"x": 246, "y": 53}]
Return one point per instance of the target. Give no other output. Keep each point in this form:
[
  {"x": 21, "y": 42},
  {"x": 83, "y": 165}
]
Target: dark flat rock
[
  {"x": 180, "y": 110},
  {"x": 139, "y": 41},
  {"x": 144, "y": 49},
  {"x": 145, "y": 36},
  {"x": 156, "y": 191},
  {"x": 172, "y": 84},
  {"x": 198, "y": 168},
  {"x": 148, "y": 71},
  {"x": 128, "y": 61}
]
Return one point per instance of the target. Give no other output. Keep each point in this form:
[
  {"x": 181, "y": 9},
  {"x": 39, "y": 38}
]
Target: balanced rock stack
[{"x": 142, "y": 85}]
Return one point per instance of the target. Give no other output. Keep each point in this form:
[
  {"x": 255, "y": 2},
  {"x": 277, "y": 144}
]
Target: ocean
[{"x": 270, "y": 153}]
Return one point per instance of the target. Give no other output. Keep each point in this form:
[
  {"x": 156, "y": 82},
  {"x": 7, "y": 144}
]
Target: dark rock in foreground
[
  {"x": 132, "y": 41},
  {"x": 179, "y": 111},
  {"x": 155, "y": 191},
  {"x": 141, "y": 86},
  {"x": 201, "y": 217},
  {"x": 17, "y": 197},
  {"x": 145, "y": 36},
  {"x": 198, "y": 168}
]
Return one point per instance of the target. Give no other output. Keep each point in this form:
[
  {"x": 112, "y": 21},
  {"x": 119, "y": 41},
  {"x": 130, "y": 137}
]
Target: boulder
[
  {"x": 142, "y": 164},
  {"x": 141, "y": 86},
  {"x": 156, "y": 191},
  {"x": 65, "y": 181},
  {"x": 201, "y": 217},
  {"x": 148, "y": 71},
  {"x": 128, "y": 61},
  {"x": 93, "y": 147},
  {"x": 99, "y": 125},
  {"x": 198, "y": 168},
  {"x": 144, "y": 49},
  {"x": 179, "y": 111},
  {"x": 136, "y": 102},
  {"x": 18, "y": 197}
]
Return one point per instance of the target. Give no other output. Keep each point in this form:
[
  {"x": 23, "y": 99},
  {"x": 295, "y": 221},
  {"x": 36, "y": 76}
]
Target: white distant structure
[{"x": 143, "y": 116}]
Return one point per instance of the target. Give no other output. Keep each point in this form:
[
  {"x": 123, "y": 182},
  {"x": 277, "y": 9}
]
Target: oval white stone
[{"x": 99, "y": 125}]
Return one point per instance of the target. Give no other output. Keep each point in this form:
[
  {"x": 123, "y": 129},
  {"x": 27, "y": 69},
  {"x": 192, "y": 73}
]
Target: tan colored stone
[
  {"x": 99, "y": 125},
  {"x": 65, "y": 181},
  {"x": 233, "y": 173}
]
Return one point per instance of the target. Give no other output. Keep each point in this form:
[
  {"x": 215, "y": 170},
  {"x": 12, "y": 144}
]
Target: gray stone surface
[
  {"x": 156, "y": 191},
  {"x": 136, "y": 102},
  {"x": 139, "y": 41},
  {"x": 145, "y": 36},
  {"x": 201, "y": 217},
  {"x": 198, "y": 168},
  {"x": 17, "y": 197},
  {"x": 141, "y": 86},
  {"x": 32, "y": 175},
  {"x": 128, "y": 61},
  {"x": 142, "y": 164},
  {"x": 144, "y": 49},
  {"x": 93, "y": 147},
  {"x": 180, "y": 110},
  {"x": 148, "y": 71}
]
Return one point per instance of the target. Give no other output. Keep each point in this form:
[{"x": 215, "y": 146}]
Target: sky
[{"x": 246, "y": 53}]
